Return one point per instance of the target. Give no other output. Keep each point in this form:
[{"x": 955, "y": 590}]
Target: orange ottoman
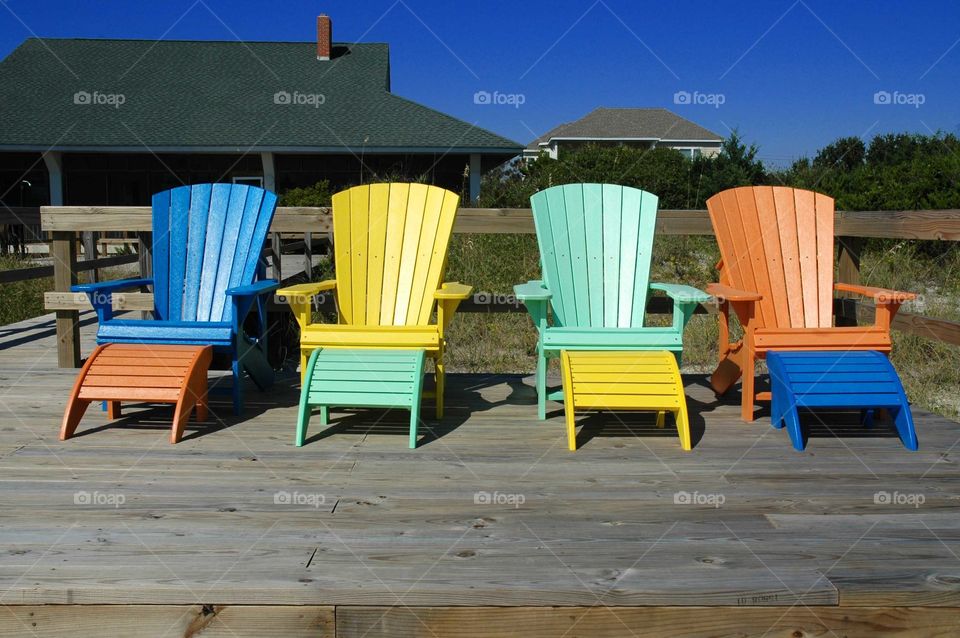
[{"x": 118, "y": 372}]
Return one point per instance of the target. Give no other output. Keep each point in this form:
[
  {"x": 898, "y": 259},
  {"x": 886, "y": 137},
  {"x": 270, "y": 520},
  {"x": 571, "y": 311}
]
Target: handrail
[{"x": 65, "y": 221}]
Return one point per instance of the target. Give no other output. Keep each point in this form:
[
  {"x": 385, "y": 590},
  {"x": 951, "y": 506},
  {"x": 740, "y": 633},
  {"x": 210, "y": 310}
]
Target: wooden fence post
[
  {"x": 848, "y": 272},
  {"x": 89, "y": 239},
  {"x": 68, "y": 321},
  {"x": 308, "y": 255},
  {"x": 145, "y": 260},
  {"x": 276, "y": 259}
]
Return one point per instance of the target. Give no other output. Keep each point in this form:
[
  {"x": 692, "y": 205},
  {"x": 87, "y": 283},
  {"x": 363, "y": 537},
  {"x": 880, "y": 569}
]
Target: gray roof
[
  {"x": 192, "y": 95},
  {"x": 630, "y": 123}
]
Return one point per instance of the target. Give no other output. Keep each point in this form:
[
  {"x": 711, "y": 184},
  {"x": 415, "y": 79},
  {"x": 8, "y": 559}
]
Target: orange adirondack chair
[{"x": 776, "y": 272}]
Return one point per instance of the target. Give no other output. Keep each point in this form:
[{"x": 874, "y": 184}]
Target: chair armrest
[
  {"x": 448, "y": 298},
  {"x": 880, "y": 295},
  {"x": 298, "y": 298},
  {"x": 682, "y": 293},
  {"x": 726, "y": 293},
  {"x": 257, "y": 288},
  {"x": 532, "y": 291},
  {"x": 453, "y": 290},
  {"x": 107, "y": 287},
  {"x": 307, "y": 290}
]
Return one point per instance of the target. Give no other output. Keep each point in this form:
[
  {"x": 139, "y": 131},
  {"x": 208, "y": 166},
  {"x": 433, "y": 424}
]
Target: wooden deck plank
[{"x": 629, "y": 517}]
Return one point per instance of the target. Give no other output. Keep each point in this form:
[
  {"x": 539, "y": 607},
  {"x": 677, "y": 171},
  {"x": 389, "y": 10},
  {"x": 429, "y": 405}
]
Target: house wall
[
  {"x": 23, "y": 180},
  {"x": 131, "y": 179},
  {"x": 347, "y": 170},
  {"x": 128, "y": 179}
]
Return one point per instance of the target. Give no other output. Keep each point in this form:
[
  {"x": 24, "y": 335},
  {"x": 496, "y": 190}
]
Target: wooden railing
[{"x": 850, "y": 228}]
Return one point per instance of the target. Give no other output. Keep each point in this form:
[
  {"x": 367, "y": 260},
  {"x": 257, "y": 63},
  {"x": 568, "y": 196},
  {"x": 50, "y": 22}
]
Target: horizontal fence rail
[
  {"x": 914, "y": 224},
  {"x": 850, "y": 227}
]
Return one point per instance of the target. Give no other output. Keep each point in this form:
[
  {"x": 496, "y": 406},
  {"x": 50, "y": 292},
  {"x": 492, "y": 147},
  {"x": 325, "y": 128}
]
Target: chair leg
[
  {"x": 541, "y": 385},
  {"x": 324, "y": 415},
  {"x": 748, "y": 389},
  {"x": 237, "y": 389},
  {"x": 203, "y": 399},
  {"x": 113, "y": 409},
  {"x": 661, "y": 418},
  {"x": 304, "y": 357},
  {"x": 440, "y": 376}
]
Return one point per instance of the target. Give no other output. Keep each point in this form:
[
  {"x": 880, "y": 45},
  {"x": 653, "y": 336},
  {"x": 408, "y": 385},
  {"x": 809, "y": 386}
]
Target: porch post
[
  {"x": 269, "y": 174},
  {"x": 474, "y": 178}
]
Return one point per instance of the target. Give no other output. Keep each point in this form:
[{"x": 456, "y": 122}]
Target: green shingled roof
[{"x": 217, "y": 95}]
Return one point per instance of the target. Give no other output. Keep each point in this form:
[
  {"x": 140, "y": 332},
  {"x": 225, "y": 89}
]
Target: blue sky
[{"x": 791, "y": 75}]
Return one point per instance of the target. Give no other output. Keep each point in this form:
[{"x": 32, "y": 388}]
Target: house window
[
  {"x": 249, "y": 181},
  {"x": 690, "y": 152}
]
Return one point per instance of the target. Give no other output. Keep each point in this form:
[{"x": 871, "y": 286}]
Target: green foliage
[
  {"x": 317, "y": 195},
  {"x": 678, "y": 181},
  {"x": 896, "y": 172},
  {"x": 847, "y": 153}
]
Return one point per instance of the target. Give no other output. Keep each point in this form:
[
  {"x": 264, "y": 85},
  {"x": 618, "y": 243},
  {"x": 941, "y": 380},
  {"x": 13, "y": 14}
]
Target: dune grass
[{"x": 21, "y": 299}]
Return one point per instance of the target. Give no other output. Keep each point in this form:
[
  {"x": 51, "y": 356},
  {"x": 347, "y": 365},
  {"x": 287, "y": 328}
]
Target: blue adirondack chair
[
  {"x": 207, "y": 241},
  {"x": 595, "y": 248}
]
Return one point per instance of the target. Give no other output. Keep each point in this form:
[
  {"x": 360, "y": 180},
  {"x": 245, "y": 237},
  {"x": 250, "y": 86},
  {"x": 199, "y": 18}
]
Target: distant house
[
  {"x": 642, "y": 127},
  {"x": 109, "y": 122}
]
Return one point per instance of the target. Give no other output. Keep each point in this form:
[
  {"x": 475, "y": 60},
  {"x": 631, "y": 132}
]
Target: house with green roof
[{"x": 109, "y": 122}]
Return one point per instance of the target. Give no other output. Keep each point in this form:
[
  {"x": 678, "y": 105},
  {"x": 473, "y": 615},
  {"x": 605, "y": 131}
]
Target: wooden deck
[{"x": 236, "y": 532}]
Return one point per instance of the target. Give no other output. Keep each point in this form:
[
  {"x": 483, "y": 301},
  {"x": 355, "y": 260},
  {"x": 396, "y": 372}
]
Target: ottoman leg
[
  {"x": 683, "y": 427},
  {"x": 303, "y": 419},
  {"x": 903, "y": 419},
  {"x": 792, "y": 417},
  {"x": 180, "y": 417},
  {"x": 571, "y": 426},
  {"x": 414, "y": 422},
  {"x": 71, "y": 419}
]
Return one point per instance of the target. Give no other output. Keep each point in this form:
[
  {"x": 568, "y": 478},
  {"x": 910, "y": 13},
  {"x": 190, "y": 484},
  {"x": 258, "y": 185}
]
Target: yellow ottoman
[{"x": 623, "y": 380}]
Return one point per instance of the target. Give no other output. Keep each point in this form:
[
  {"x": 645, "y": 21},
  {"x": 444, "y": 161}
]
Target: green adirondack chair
[{"x": 595, "y": 248}]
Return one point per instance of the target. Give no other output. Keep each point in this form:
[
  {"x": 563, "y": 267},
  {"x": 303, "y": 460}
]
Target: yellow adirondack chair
[{"x": 390, "y": 251}]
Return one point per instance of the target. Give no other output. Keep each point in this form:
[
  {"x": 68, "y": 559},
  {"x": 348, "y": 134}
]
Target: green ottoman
[{"x": 362, "y": 378}]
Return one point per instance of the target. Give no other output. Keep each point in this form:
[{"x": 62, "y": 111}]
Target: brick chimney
[{"x": 324, "y": 37}]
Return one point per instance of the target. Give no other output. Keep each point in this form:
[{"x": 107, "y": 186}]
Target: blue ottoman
[{"x": 853, "y": 380}]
